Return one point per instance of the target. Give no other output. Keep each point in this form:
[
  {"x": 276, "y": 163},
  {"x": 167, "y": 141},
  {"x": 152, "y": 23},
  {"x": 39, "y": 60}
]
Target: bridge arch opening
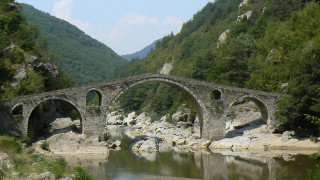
[
  {"x": 216, "y": 94},
  {"x": 17, "y": 110},
  {"x": 93, "y": 98},
  {"x": 245, "y": 114},
  {"x": 162, "y": 93},
  {"x": 53, "y": 116}
]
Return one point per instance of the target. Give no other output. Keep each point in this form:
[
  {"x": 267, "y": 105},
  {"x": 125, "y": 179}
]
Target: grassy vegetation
[{"x": 21, "y": 162}]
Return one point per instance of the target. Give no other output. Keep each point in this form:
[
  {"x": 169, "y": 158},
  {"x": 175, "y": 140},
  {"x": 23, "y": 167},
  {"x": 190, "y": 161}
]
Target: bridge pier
[{"x": 94, "y": 123}]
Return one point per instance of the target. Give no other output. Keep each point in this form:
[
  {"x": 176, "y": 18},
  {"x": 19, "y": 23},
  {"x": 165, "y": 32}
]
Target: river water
[{"x": 175, "y": 162}]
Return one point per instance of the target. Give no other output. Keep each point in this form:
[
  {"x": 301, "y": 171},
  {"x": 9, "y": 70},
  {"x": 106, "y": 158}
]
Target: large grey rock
[
  {"x": 62, "y": 125},
  {"x": 182, "y": 114},
  {"x": 114, "y": 118},
  {"x": 72, "y": 143},
  {"x": 142, "y": 120},
  {"x": 130, "y": 118},
  {"x": 146, "y": 144}
]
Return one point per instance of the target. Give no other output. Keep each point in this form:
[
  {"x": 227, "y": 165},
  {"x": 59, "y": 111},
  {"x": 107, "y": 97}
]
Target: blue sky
[{"x": 126, "y": 26}]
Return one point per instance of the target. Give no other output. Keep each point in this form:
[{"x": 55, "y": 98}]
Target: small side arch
[
  {"x": 216, "y": 94},
  {"x": 260, "y": 104},
  {"x": 17, "y": 110},
  {"x": 93, "y": 97}
]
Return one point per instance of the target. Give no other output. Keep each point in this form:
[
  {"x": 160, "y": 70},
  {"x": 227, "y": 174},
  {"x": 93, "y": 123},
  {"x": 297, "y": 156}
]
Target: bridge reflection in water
[{"x": 175, "y": 162}]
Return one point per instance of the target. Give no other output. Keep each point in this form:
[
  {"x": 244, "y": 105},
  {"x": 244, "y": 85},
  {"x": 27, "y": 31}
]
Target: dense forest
[
  {"x": 275, "y": 48},
  {"x": 25, "y": 64},
  {"x": 84, "y": 58}
]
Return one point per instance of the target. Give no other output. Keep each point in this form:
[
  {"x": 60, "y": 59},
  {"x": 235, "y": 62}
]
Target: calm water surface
[{"x": 125, "y": 165}]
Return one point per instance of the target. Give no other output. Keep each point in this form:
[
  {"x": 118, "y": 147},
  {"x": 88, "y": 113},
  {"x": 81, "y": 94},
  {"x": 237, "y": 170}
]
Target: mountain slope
[
  {"x": 142, "y": 53},
  {"x": 25, "y": 67},
  {"x": 84, "y": 58},
  {"x": 270, "y": 45}
]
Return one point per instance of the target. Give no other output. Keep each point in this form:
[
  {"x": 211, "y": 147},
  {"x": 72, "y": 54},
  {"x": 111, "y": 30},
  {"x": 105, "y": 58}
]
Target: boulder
[
  {"x": 184, "y": 125},
  {"x": 113, "y": 144},
  {"x": 287, "y": 135},
  {"x": 62, "y": 125},
  {"x": 114, "y": 119},
  {"x": 72, "y": 143},
  {"x": 178, "y": 140},
  {"x": 127, "y": 120},
  {"x": 182, "y": 114},
  {"x": 146, "y": 144},
  {"x": 142, "y": 121}
]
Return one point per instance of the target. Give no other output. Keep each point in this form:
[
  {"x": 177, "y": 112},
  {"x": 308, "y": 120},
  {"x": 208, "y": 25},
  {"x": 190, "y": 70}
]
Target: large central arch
[{"x": 198, "y": 104}]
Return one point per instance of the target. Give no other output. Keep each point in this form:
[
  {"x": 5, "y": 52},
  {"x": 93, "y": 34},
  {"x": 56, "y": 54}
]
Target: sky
[{"x": 126, "y": 26}]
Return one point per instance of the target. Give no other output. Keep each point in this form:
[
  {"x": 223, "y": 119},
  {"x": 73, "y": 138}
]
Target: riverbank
[
  {"x": 19, "y": 161},
  {"x": 248, "y": 138}
]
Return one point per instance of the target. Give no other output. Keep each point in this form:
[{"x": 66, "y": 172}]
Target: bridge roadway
[{"x": 212, "y": 102}]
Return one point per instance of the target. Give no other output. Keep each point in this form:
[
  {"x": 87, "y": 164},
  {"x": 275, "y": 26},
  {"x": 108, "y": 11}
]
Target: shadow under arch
[
  {"x": 194, "y": 99},
  {"x": 74, "y": 105}
]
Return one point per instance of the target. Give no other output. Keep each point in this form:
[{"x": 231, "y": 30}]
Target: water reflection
[{"x": 176, "y": 162}]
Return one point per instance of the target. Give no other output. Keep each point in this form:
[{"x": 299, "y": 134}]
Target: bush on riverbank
[{"x": 18, "y": 162}]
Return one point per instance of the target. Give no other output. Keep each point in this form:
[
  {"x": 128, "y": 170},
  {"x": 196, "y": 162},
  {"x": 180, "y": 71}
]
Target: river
[{"x": 175, "y": 162}]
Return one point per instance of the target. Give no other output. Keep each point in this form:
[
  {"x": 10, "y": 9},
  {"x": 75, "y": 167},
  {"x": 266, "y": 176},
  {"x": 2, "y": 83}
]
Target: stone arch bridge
[{"x": 211, "y": 100}]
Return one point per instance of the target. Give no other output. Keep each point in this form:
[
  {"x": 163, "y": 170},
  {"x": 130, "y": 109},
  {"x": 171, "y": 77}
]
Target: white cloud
[
  {"x": 137, "y": 31},
  {"x": 138, "y": 19},
  {"x": 63, "y": 9},
  {"x": 172, "y": 21}
]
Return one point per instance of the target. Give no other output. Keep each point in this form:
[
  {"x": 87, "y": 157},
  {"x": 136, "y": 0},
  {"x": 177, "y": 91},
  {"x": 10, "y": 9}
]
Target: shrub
[
  {"x": 106, "y": 136},
  {"x": 81, "y": 174},
  {"x": 313, "y": 139},
  {"x": 45, "y": 146},
  {"x": 9, "y": 146},
  {"x": 133, "y": 122}
]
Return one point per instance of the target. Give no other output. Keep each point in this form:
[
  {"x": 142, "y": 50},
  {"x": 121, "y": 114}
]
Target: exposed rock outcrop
[
  {"x": 166, "y": 68},
  {"x": 247, "y": 15},
  {"x": 223, "y": 38},
  {"x": 31, "y": 63}
]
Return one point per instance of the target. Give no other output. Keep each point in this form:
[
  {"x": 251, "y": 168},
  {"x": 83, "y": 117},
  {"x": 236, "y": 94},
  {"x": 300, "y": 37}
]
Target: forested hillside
[
  {"x": 84, "y": 58},
  {"x": 25, "y": 65},
  {"x": 270, "y": 45}
]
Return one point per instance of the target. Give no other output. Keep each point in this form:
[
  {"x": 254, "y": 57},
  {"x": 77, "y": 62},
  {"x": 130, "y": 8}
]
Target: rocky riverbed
[{"x": 246, "y": 131}]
